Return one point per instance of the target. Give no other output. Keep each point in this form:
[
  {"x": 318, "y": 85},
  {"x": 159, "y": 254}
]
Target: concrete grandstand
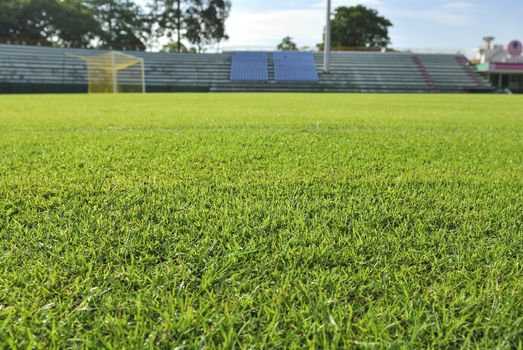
[{"x": 33, "y": 69}]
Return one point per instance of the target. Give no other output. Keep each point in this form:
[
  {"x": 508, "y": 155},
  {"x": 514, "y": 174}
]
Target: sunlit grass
[{"x": 261, "y": 220}]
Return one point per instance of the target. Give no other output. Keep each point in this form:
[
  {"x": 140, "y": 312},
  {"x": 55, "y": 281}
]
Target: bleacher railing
[
  {"x": 224, "y": 48},
  {"x": 44, "y": 43}
]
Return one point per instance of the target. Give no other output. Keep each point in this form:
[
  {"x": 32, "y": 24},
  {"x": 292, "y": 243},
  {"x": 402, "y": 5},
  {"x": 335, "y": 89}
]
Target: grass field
[{"x": 262, "y": 221}]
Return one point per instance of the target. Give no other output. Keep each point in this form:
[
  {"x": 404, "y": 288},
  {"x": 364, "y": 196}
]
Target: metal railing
[{"x": 224, "y": 48}]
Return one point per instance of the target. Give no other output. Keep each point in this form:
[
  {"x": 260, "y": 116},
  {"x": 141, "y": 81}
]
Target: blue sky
[{"x": 417, "y": 23}]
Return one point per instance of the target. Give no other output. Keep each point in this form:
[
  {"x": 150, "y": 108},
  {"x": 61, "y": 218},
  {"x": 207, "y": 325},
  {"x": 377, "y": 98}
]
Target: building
[{"x": 502, "y": 66}]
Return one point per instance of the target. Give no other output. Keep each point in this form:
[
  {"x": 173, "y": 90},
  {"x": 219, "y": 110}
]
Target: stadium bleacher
[
  {"x": 249, "y": 66},
  {"x": 294, "y": 66},
  {"x": 27, "y": 69}
]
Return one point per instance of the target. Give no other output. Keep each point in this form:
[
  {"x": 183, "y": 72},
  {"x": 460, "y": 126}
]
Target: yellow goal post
[{"x": 114, "y": 72}]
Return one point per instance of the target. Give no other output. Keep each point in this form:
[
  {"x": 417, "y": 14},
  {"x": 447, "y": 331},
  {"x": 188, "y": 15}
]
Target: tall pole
[
  {"x": 143, "y": 75},
  {"x": 327, "y": 48},
  {"x": 115, "y": 73}
]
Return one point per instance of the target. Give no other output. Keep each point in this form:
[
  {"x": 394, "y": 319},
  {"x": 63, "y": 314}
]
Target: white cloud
[
  {"x": 264, "y": 29},
  {"x": 268, "y": 28}
]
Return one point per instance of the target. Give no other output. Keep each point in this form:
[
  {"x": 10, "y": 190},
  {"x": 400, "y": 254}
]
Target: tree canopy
[
  {"x": 114, "y": 23},
  {"x": 122, "y": 23},
  {"x": 287, "y": 44},
  {"x": 205, "y": 22},
  {"x": 45, "y": 22},
  {"x": 359, "y": 26}
]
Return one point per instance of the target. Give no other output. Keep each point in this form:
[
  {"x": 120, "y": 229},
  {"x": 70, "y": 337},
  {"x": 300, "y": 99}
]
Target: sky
[{"x": 420, "y": 24}]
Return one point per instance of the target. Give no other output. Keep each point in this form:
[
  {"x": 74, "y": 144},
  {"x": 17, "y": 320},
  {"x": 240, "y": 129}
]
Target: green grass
[{"x": 261, "y": 221}]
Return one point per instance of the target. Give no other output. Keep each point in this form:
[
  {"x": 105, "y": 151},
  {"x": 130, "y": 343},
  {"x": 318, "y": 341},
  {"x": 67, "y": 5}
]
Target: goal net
[{"x": 114, "y": 72}]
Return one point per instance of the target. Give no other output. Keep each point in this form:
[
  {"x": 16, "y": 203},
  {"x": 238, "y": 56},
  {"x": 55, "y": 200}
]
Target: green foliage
[
  {"x": 358, "y": 27},
  {"x": 178, "y": 47},
  {"x": 118, "y": 24},
  {"x": 75, "y": 24},
  {"x": 47, "y": 22},
  {"x": 9, "y": 15},
  {"x": 287, "y": 44},
  {"x": 261, "y": 221},
  {"x": 169, "y": 17},
  {"x": 123, "y": 23},
  {"x": 205, "y": 22},
  {"x": 27, "y": 20},
  {"x": 197, "y": 22}
]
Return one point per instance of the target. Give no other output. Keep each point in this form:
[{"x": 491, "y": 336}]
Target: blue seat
[
  {"x": 295, "y": 66},
  {"x": 249, "y": 66}
]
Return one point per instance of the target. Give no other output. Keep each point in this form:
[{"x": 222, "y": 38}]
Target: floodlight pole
[
  {"x": 143, "y": 75},
  {"x": 327, "y": 48},
  {"x": 115, "y": 74}
]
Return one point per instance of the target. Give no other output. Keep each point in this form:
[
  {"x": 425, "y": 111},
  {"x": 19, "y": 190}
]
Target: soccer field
[{"x": 261, "y": 220}]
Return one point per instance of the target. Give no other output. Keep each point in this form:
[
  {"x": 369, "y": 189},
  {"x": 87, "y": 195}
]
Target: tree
[
  {"x": 26, "y": 21},
  {"x": 169, "y": 18},
  {"x": 123, "y": 25},
  {"x": 205, "y": 22},
  {"x": 287, "y": 44},
  {"x": 118, "y": 24},
  {"x": 359, "y": 26},
  {"x": 75, "y": 25},
  {"x": 46, "y": 22},
  {"x": 175, "y": 47},
  {"x": 9, "y": 20}
]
